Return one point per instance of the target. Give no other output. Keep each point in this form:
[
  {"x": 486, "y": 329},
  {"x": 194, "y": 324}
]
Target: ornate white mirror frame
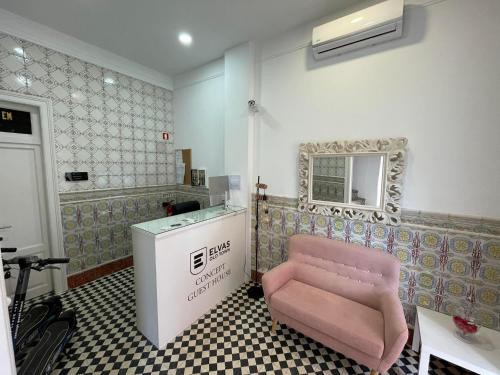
[{"x": 394, "y": 152}]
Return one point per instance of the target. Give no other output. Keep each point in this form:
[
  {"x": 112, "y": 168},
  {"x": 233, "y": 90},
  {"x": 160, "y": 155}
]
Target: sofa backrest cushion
[{"x": 349, "y": 270}]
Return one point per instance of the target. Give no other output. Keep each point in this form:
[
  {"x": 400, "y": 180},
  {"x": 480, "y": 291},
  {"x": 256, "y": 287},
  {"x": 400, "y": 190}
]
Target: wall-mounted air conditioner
[{"x": 373, "y": 25}]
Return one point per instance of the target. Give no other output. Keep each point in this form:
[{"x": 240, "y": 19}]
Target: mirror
[
  {"x": 359, "y": 180},
  {"x": 354, "y": 180}
]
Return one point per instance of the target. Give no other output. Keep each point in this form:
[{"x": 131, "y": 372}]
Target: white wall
[
  {"x": 239, "y": 65},
  {"x": 439, "y": 86},
  {"x": 199, "y": 116},
  {"x": 239, "y": 125}
]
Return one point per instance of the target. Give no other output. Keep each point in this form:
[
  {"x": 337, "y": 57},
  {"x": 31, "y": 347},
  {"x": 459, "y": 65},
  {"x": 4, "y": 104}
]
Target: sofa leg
[
  {"x": 373, "y": 372},
  {"x": 275, "y": 323}
]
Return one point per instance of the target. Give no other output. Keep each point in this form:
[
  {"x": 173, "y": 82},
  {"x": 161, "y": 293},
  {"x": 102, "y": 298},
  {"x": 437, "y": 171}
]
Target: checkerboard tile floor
[{"x": 233, "y": 338}]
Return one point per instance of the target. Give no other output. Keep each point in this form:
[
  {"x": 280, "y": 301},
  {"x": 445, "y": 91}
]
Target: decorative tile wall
[
  {"x": 97, "y": 230},
  {"x": 442, "y": 264},
  {"x": 330, "y": 189},
  {"x": 186, "y": 193},
  {"x": 96, "y": 225},
  {"x": 329, "y": 166},
  {"x": 106, "y": 123},
  {"x": 329, "y": 178}
]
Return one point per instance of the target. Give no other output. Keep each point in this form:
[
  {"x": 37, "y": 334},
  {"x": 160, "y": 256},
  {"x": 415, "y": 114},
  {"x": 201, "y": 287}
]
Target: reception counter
[{"x": 184, "y": 265}]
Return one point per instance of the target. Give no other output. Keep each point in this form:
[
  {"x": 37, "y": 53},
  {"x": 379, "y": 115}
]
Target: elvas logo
[{"x": 198, "y": 261}]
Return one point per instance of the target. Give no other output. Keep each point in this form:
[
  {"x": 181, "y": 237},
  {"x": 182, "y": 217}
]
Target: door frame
[{"x": 54, "y": 224}]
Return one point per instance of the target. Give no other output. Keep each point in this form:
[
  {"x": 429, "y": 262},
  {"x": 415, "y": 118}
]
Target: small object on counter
[
  {"x": 169, "y": 208},
  {"x": 202, "y": 173},
  {"x": 465, "y": 327},
  {"x": 465, "y": 323},
  {"x": 195, "y": 180}
]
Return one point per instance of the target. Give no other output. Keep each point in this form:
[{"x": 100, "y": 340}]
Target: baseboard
[{"x": 98, "y": 272}]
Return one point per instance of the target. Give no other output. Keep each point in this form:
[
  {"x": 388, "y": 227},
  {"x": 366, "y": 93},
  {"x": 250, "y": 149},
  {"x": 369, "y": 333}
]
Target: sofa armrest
[
  {"x": 395, "y": 327},
  {"x": 277, "y": 277}
]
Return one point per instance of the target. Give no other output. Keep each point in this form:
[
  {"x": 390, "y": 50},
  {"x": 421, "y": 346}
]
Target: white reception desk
[{"x": 184, "y": 265}]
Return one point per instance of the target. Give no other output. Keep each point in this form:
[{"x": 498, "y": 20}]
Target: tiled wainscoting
[
  {"x": 96, "y": 224},
  {"x": 445, "y": 260},
  {"x": 186, "y": 193}
]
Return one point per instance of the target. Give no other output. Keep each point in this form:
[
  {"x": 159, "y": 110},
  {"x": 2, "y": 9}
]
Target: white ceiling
[{"x": 145, "y": 31}]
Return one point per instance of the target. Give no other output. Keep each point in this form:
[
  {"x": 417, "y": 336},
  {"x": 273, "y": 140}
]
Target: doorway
[
  {"x": 29, "y": 203},
  {"x": 23, "y": 206}
]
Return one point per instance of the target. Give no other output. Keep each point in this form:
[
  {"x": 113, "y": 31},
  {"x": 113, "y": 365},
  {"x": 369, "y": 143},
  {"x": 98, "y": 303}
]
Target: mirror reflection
[{"x": 348, "y": 179}]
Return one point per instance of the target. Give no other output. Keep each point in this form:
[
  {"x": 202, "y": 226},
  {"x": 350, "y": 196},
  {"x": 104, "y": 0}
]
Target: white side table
[{"x": 436, "y": 333}]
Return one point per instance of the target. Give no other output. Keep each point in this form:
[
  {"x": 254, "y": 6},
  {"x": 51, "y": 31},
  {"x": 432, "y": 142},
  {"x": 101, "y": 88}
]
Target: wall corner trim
[
  {"x": 13, "y": 24},
  {"x": 211, "y": 70}
]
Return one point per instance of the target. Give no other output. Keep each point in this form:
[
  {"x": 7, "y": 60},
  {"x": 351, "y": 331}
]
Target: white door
[{"x": 23, "y": 209}]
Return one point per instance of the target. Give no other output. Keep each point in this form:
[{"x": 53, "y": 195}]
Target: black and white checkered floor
[{"x": 234, "y": 338}]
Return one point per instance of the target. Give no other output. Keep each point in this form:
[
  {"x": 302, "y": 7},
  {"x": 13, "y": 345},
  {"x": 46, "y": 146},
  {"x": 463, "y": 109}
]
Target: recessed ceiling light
[
  {"x": 357, "y": 19},
  {"x": 185, "y": 39}
]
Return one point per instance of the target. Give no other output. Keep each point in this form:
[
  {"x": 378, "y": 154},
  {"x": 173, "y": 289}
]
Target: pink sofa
[{"x": 342, "y": 295}]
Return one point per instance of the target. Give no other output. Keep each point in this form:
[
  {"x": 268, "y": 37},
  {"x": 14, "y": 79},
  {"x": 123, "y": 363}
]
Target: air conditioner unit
[{"x": 373, "y": 25}]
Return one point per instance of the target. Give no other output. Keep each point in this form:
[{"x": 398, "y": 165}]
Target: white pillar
[{"x": 239, "y": 65}]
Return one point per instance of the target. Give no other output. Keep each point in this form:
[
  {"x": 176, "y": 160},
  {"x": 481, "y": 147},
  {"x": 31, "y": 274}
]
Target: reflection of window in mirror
[{"x": 366, "y": 181}]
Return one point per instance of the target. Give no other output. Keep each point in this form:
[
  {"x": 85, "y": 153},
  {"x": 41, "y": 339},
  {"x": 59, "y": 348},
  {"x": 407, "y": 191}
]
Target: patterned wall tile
[
  {"x": 106, "y": 123},
  {"x": 441, "y": 267},
  {"x": 109, "y": 125},
  {"x": 96, "y": 225}
]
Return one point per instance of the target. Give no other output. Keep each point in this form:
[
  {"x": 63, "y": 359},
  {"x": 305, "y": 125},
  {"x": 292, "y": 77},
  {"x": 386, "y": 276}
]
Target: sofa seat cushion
[{"x": 356, "y": 325}]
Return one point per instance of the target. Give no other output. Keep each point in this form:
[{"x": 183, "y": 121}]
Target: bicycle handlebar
[
  {"x": 43, "y": 262},
  {"x": 8, "y": 249},
  {"x": 29, "y": 261}
]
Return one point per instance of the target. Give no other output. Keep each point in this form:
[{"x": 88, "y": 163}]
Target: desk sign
[{"x": 12, "y": 121}]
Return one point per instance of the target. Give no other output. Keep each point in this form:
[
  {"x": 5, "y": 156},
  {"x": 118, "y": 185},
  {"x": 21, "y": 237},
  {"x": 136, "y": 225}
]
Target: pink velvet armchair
[{"x": 342, "y": 295}]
